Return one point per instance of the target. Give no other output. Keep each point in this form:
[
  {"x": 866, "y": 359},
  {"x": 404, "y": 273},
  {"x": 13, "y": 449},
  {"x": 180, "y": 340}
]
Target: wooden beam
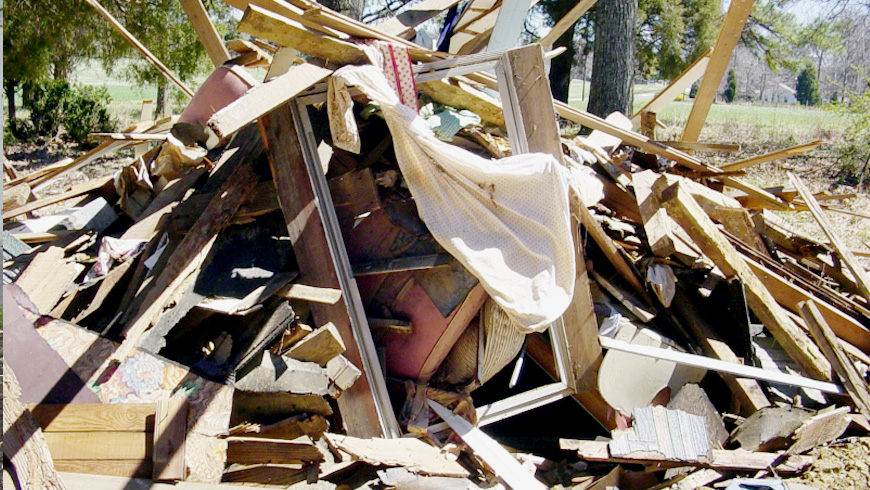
[
  {"x": 688, "y": 213},
  {"x": 532, "y": 128},
  {"x": 677, "y": 86},
  {"x": 122, "y": 417},
  {"x": 566, "y": 22},
  {"x": 170, "y": 432},
  {"x": 461, "y": 95},
  {"x": 403, "y": 25},
  {"x": 721, "y": 459},
  {"x": 791, "y": 295},
  {"x": 76, "y": 191},
  {"x": 830, "y": 345},
  {"x": 264, "y": 98},
  {"x": 769, "y": 157},
  {"x": 504, "y": 465},
  {"x": 142, "y": 49},
  {"x": 862, "y": 279},
  {"x": 314, "y": 256},
  {"x": 252, "y": 450},
  {"x": 732, "y": 28},
  {"x": 208, "y": 35},
  {"x": 707, "y": 147},
  {"x": 286, "y": 32},
  {"x": 747, "y": 392}
]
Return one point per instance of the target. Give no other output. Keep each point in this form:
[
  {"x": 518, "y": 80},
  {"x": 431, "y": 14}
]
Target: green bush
[
  {"x": 855, "y": 152},
  {"x": 807, "y": 90},
  {"x": 56, "y": 105},
  {"x": 731, "y": 87},
  {"x": 86, "y": 111}
]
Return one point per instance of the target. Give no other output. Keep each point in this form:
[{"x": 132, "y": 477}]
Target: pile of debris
[{"x": 307, "y": 279}]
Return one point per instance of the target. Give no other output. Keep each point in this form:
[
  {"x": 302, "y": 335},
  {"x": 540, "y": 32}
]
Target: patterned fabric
[{"x": 395, "y": 62}]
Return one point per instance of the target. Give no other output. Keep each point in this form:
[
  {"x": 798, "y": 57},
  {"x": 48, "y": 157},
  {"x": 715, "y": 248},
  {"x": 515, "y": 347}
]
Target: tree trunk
[
  {"x": 162, "y": 99},
  {"x": 10, "y": 86},
  {"x": 613, "y": 57},
  {"x": 350, "y": 8},
  {"x": 560, "y": 66}
]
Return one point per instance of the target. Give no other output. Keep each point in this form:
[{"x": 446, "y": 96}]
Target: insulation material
[{"x": 507, "y": 221}]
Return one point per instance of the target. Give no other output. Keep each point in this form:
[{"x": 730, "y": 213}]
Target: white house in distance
[{"x": 779, "y": 94}]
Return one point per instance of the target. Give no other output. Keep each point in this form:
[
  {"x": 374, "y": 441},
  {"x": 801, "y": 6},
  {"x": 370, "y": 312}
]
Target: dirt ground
[{"x": 840, "y": 466}]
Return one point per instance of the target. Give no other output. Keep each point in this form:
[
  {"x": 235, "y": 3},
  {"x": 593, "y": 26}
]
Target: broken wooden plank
[
  {"x": 688, "y": 213},
  {"x": 76, "y": 191},
  {"x": 193, "y": 249},
  {"x": 566, "y": 22},
  {"x": 412, "y": 454},
  {"x": 461, "y": 95},
  {"x": 403, "y": 24},
  {"x": 862, "y": 279},
  {"x": 677, "y": 86},
  {"x": 125, "y": 417},
  {"x": 329, "y": 296},
  {"x": 791, "y": 295},
  {"x": 729, "y": 34},
  {"x": 302, "y": 214},
  {"x": 830, "y": 345},
  {"x": 263, "y": 98},
  {"x": 170, "y": 432},
  {"x": 320, "y": 346},
  {"x": 748, "y": 393},
  {"x": 24, "y": 444},
  {"x": 251, "y": 450},
  {"x": 47, "y": 278},
  {"x": 769, "y": 157},
  {"x": 721, "y": 459},
  {"x": 139, "y": 46},
  {"x": 286, "y": 32},
  {"x": 705, "y": 147},
  {"x": 71, "y": 446},
  {"x": 639, "y": 310},
  {"x": 505, "y": 466},
  {"x": 656, "y": 222},
  {"x": 208, "y": 35},
  {"x": 402, "y": 264}
]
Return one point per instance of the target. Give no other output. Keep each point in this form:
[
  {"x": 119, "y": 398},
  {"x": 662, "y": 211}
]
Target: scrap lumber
[
  {"x": 720, "y": 459},
  {"x": 142, "y": 49},
  {"x": 23, "y": 441},
  {"x": 37, "y": 173},
  {"x": 689, "y": 214},
  {"x": 264, "y": 98},
  {"x": 677, "y": 86},
  {"x": 732, "y": 28},
  {"x": 15, "y": 196},
  {"x": 717, "y": 365},
  {"x": 252, "y": 450},
  {"x": 461, "y": 95},
  {"x": 320, "y": 346},
  {"x": 656, "y": 222},
  {"x": 705, "y": 147},
  {"x": 505, "y": 466},
  {"x": 170, "y": 432},
  {"x": 566, "y": 22},
  {"x": 413, "y": 454},
  {"x": 308, "y": 235},
  {"x": 769, "y": 157},
  {"x": 791, "y": 295},
  {"x": 748, "y": 393},
  {"x": 76, "y": 191},
  {"x": 507, "y": 28},
  {"x": 286, "y": 32},
  {"x": 404, "y": 24},
  {"x": 828, "y": 342},
  {"x": 862, "y": 278},
  {"x": 329, "y": 296},
  {"x": 532, "y": 127},
  {"x": 47, "y": 278},
  {"x": 94, "y": 417},
  {"x": 208, "y": 35},
  {"x": 189, "y": 255}
]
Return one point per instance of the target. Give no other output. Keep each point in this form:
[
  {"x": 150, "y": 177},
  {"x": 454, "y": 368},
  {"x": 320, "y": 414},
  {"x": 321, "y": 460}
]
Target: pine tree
[
  {"x": 808, "y": 86},
  {"x": 731, "y": 88}
]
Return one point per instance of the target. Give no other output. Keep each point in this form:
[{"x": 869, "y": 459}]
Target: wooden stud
[
  {"x": 677, "y": 86},
  {"x": 732, "y": 28},
  {"x": 142, "y": 49},
  {"x": 862, "y": 279},
  {"x": 76, "y": 191},
  {"x": 170, "y": 431},
  {"x": 566, "y": 22},
  {"x": 320, "y": 346},
  {"x": 403, "y": 25},
  {"x": 830, "y": 345},
  {"x": 688, "y": 213},
  {"x": 81, "y": 417},
  {"x": 769, "y": 157},
  {"x": 208, "y": 35}
]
